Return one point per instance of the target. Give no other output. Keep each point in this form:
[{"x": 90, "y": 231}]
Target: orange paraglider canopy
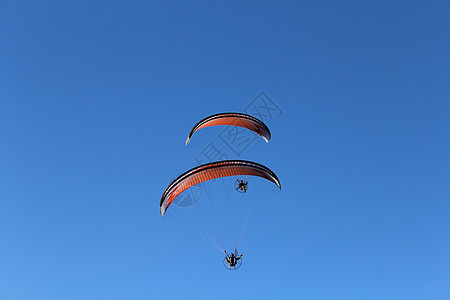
[
  {"x": 233, "y": 119},
  {"x": 210, "y": 171}
]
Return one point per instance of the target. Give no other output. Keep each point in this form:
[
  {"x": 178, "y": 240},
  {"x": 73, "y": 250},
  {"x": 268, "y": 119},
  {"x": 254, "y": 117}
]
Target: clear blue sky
[{"x": 97, "y": 98}]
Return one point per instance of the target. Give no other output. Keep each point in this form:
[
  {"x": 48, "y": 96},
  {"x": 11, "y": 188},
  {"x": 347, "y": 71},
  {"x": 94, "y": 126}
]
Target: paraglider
[
  {"x": 241, "y": 186},
  {"x": 233, "y": 119},
  {"x": 211, "y": 171},
  {"x": 232, "y": 261},
  {"x": 237, "y": 171}
]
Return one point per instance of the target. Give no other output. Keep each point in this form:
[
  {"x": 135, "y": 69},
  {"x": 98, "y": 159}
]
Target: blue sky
[{"x": 97, "y": 98}]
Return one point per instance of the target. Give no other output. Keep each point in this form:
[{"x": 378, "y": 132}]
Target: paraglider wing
[
  {"x": 210, "y": 171},
  {"x": 233, "y": 119}
]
